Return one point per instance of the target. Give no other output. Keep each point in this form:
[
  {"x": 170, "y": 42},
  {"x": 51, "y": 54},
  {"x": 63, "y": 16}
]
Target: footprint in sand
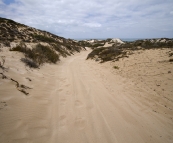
[
  {"x": 62, "y": 79},
  {"x": 67, "y": 85},
  {"x": 62, "y": 120},
  {"x": 78, "y": 103},
  {"x": 60, "y": 89},
  {"x": 63, "y": 101},
  {"x": 67, "y": 92},
  {"x": 80, "y": 123}
]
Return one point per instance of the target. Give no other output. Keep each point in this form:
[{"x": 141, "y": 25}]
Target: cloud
[
  {"x": 92, "y": 24},
  {"x": 74, "y": 18}
]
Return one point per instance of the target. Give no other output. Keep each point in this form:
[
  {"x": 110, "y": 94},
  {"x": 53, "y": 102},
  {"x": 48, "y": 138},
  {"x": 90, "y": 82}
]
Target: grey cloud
[{"x": 96, "y": 17}]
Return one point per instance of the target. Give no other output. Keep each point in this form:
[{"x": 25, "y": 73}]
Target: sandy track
[
  {"x": 81, "y": 102},
  {"x": 95, "y": 106},
  {"x": 80, "y": 116}
]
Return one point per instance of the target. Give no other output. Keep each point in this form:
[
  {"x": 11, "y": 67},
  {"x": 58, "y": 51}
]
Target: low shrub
[
  {"x": 38, "y": 55},
  {"x": 44, "y": 38},
  {"x": 18, "y": 48},
  {"x": 170, "y": 60},
  {"x": 46, "y": 52},
  {"x": 6, "y": 43},
  {"x": 97, "y": 45},
  {"x": 170, "y": 54},
  {"x": 30, "y": 63},
  {"x": 116, "y": 67},
  {"x": 107, "y": 54},
  {"x": 95, "y": 52},
  {"x": 58, "y": 48}
]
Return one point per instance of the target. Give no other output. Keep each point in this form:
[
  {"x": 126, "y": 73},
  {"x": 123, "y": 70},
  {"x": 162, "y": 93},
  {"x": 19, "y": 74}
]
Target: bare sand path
[
  {"x": 95, "y": 106},
  {"x": 82, "y": 102}
]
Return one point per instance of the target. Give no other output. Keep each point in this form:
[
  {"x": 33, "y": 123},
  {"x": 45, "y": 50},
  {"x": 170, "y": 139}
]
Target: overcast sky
[{"x": 94, "y": 18}]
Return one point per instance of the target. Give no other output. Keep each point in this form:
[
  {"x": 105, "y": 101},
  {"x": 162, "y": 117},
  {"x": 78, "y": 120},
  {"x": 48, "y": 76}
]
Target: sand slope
[{"x": 79, "y": 101}]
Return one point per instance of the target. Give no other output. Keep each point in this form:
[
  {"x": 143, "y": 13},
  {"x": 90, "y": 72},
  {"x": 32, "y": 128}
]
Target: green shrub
[
  {"x": 44, "y": 38},
  {"x": 7, "y": 43},
  {"x": 46, "y": 52},
  {"x": 95, "y": 52},
  {"x": 170, "y": 60},
  {"x": 58, "y": 48},
  {"x": 38, "y": 55},
  {"x": 170, "y": 54},
  {"x": 97, "y": 45},
  {"x": 116, "y": 67},
  {"x": 107, "y": 54},
  {"x": 84, "y": 44},
  {"x": 108, "y": 40}
]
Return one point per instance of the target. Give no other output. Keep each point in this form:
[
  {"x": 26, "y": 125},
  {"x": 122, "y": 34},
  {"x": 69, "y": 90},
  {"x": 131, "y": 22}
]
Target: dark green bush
[
  {"x": 44, "y": 38},
  {"x": 38, "y": 55},
  {"x": 170, "y": 60},
  {"x": 20, "y": 48},
  {"x": 170, "y": 54},
  {"x": 84, "y": 44},
  {"x": 7, "y": 43},
  {"x": 107, "y": 54},
  {"x": 97, "y": 45},
  {"x": 58, "y": 48},
  {"x": 95, "y": 52},
  {"x": 46, "y": 52},
  {"x": 116, "y": 67}
]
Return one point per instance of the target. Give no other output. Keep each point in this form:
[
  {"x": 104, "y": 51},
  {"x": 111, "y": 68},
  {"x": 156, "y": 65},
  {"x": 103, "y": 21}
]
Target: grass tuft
[{"x": 116, "y": 67}]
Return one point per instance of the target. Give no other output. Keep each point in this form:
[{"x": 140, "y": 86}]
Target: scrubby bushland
[
  {"x": 58, "y": 48},
  {"x": 21, "y": 48},
  {"x": 6, "y": 43},
  {"x": 43, "y": 38},
  {"x": 171, "y": 54},
  {"x": 84, "y": 43},
  {"x": 150, "y": 44},
  {"x": 38, "y": 55},
  {"x": 120, "y": 51},
  {"x": 107, "y": 54},
  {"x": 97, "y": 45},
  {"x": 46, "y": 53},
  {"x": 91, "y": 45}
]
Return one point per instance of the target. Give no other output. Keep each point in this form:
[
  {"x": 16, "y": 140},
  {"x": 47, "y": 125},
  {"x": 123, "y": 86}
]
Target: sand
[
  {"x": 79, "y": 101},
  {"x": 107, "y": 44}
]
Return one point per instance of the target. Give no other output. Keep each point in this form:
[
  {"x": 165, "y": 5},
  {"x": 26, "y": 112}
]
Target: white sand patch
[{"x": 116, "y": 40}]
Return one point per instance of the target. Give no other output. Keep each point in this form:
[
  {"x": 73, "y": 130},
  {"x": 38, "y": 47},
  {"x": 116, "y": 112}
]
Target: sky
[{"x": 77, "y": 19}]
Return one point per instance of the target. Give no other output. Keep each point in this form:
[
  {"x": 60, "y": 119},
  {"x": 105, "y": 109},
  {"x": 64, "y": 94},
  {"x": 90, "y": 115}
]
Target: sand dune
[{"x": 79, "y": 101}]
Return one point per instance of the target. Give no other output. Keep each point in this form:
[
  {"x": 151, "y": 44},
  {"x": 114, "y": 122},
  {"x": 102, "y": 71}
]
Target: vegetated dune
[
  {"x": 151, "y": 69},
  {"x": 119, "y": 50},
  {"x": 147, "y": 63},
  {"x": 143, "y": 83},
  {"x": 13, "y": 33},
  {"x": 32, "y": 47}
]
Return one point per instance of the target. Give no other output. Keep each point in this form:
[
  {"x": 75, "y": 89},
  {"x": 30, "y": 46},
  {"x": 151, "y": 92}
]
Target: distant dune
[{"x": 116, "y": 40}]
